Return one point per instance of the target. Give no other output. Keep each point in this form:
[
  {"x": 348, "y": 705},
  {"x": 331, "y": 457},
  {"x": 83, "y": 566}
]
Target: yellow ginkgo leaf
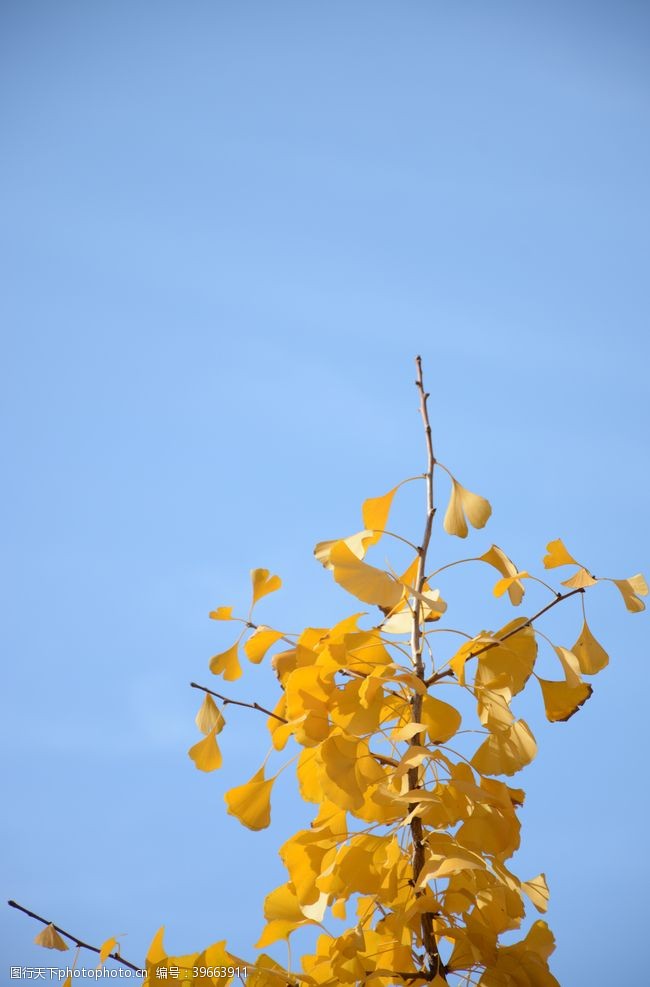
[
  {"x": 591, "y": 656},
  {"x": 631, "y": 589},
  {"x": 280, "y": 732},
  {"x": 570, "y": 666},
  {"x": 364, "y": 581},
  {"x": 282, "y": 903},
  {"x": 263, "y": 583},
  {"x": 497, "y": 558},
  {"x": 525, "y": 962},
  {"x": 398, "y": 617},
  {"x": 157, "y": 952},
  {"x": 338, "y": 909},
  {"x": 206, "y": 754},
  {"x": 511, "y": 662},
  {"x": 259, "y": 643},
  {"x": 278, "y": 928},
  {"x": 557, "y": 555},
  {"x": 447, "y": 857},
  {"x": 508, "y": 583},
  {"x": 284, "y": 914},
  {"x": 375, "y": 513},
  {"x": 341, "y": 781},
  {"x": 441, "y": 720},
  {"x": 356, "y": 543},
  {"x": 438, "y": 868},
  {"x": 465, "y": 504},
  {"x": 580, "y": 580},
  {"x": 537, "y": 891},
  {"x": 407, "y": 731},
  {"x": 106, "y": 949},
  {"x": 227, "y": 664},
  {"x": 214, "y": 957},
  {"x": 209, "y": 716},
  {"x": 398, "y": 623},
  {"x": 562, "y": 700},
  {"x": 51, "y": 939},
  {"x": 251, "y": 803},
  {"x": 221, "y": 613},
  {"x": 466, "y": 651},
  {"x": 267, "y": 973},
  {"x": 507, "y": 751}
]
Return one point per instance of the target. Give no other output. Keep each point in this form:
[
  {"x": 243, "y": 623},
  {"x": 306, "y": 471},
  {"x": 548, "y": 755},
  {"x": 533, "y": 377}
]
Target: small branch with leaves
[{"x": 80, "y": 943}]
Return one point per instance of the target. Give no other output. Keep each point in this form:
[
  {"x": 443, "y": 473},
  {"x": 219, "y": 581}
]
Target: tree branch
[
  {"x": 495, "y": 644},
  {"x": 382, "y": 758},
  {"x": 74, "y": 939},
  {"x": 429, "y": 941},
  {"x": 237, "y": 702}
]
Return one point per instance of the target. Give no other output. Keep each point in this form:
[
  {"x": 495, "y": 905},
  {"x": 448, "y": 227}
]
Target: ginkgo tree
[{"x": 413, "y": 827}]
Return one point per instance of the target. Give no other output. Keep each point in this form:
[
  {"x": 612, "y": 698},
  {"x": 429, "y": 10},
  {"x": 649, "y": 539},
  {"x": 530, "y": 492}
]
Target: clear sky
[{"x": 227, "y": 229}]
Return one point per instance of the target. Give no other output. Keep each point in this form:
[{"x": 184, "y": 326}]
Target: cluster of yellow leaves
[
  {"x": 631, "y": 589},
  {"x": 412, "y": 831},
  {"x": 378, "y": 774},
  {"x": 374, "y": 770}
]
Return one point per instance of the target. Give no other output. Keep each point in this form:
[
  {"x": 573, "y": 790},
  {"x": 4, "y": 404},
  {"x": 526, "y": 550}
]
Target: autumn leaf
[
  {"x": 441, "y": 719},
  {"x": 580, "y": 580},
  {"x": 375, "y": 513},
  {"x": 511, "y": 661},
  {"x": 251, "y": 803},
  {"x": 364, "y": 581},
  {"x": 106, "y": 949},
  {"x": 206, "y": 754},
  {"x": 51, "y": 939},
  {"x": 509, "y": 583},
  {"x": 463, "y": 504},
  {"x": 591, "y": 656},
  {"x": 500, "y": 561},
  {"x": 356, "y": 543},
  {"x": 562, "y": 700},
  {"x": 259, "y": 643},
  {"x": 631, "y": 590},
  {"x": 227, "y": 663},
  {"x": 537, "y": 891},
  {"x": 263, "y": 583},
  {"x": 557, "y": 554},
  {"x": 221, "y": 613},
  {"x": 209, "y": 716},
  {"x": 157, "y": 952},
  {"x": 506, "y": 751}
]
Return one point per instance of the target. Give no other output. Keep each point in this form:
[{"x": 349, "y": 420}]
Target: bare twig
[
  {"x": 237, "y": 702},
  {"x": 75, "y": 939}
]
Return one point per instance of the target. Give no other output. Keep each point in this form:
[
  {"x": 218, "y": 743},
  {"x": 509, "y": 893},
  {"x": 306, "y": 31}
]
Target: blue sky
[{"x": 227, "y": 230}]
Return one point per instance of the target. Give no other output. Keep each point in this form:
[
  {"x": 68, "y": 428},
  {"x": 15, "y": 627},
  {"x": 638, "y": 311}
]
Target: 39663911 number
[{"x": 219, "y": 971}]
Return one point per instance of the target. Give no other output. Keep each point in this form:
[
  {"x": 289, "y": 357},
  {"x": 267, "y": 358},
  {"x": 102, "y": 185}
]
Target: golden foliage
[{"x": 414, "y": 826}]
